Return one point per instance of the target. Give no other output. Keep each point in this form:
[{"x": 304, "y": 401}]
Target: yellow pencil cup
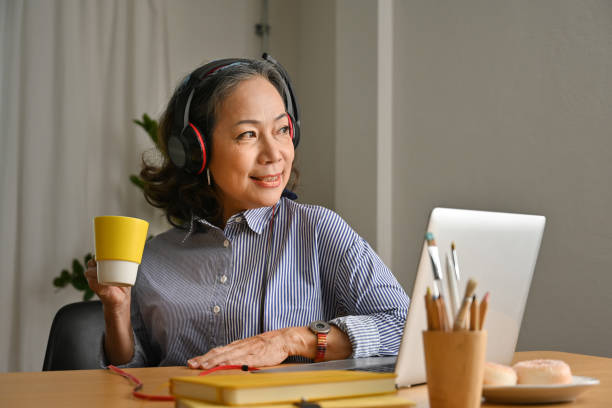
[
  {"x": 454, "y": 362},
  {"x": 119, "y": 243}
]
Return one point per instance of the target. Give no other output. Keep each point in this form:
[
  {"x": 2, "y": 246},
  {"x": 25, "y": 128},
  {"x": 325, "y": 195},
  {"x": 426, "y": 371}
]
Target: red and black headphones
[{"x": 187, "y": 144}]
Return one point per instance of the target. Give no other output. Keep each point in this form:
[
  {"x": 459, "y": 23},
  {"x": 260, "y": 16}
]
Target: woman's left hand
[{"x": 266, "y": 349}]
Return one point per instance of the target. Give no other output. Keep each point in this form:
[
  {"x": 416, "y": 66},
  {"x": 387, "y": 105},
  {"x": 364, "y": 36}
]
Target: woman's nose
[{"x": 270, "y": 149}]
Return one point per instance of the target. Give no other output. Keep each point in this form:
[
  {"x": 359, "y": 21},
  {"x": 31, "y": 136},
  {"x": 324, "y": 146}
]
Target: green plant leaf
[
  {"x": 80, "y": 284},
  {"x": 150, "y": 126},
  {"x": 77, "y": 268},
  {"x": 78, "y": 279},
  {"x": 137, "y": 181}
]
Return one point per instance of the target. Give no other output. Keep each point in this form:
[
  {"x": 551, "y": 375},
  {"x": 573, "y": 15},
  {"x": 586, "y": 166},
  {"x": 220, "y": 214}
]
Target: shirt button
[
  {"x": 226, "y": 243},
  {"x": 216, "y": 309},
  {"x": 223, "y": 279},
  {"x": 238, "y": 219}
]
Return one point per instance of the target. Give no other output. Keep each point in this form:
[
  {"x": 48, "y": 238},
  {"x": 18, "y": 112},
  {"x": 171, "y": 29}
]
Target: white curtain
[{"x": 73, "y": 75}]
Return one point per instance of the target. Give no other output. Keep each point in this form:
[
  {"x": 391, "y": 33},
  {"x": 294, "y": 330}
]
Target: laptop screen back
[{"x": 499, "y": 251}]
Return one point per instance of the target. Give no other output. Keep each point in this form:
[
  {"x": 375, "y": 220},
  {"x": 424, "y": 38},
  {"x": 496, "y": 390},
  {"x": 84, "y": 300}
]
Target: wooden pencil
[
  {"x": 435, "y": 316},
  {"x": 474, "y": 315},
  {"x": 441, "y": 315},
  {"x": 484, "y": 305},
  {"x": 428, "y": 308}
]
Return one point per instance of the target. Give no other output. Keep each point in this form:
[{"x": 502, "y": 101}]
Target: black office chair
[{"x": 74, "y": 339}]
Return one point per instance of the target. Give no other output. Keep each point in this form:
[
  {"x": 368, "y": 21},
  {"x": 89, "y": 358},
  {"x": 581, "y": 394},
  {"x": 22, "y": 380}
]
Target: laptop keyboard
[{"x": 384, "y": 368}]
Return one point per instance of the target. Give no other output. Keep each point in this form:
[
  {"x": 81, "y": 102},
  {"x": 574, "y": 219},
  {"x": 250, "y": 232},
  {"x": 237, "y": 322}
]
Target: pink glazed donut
[{"x": 543, "y": 372}]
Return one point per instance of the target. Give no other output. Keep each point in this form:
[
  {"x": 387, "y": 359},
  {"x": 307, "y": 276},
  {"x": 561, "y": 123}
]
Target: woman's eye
[
  {"x": 247, "y": 135},
  {"x": 284, "y": 130}
]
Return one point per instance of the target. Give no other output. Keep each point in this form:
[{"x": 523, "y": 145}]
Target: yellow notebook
[
  {"x": 281, "y": 387},
  {"x": 379, "y": 401}
]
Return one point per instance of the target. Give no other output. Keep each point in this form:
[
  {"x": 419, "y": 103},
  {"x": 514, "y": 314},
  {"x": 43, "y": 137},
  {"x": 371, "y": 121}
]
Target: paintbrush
[
  {"x": 432, "y": 249},
  {"x": 453, "y": 291},
  {"x": 455, "y": 262},
  {"x": 461, "y": 319}
]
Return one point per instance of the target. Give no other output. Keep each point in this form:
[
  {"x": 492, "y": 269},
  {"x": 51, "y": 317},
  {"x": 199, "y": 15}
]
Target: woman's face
[{"x": 252, "y": 150}]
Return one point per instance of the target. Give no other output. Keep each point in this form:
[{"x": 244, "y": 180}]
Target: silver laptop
[{"x": 499, "y": 251}]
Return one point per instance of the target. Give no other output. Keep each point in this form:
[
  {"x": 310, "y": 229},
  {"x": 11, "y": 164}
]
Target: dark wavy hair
[{"x": 182, "y": 195}]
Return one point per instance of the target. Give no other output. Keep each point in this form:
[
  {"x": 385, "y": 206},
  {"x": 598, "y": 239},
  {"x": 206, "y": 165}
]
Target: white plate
[{"x": 535, "y": 394}]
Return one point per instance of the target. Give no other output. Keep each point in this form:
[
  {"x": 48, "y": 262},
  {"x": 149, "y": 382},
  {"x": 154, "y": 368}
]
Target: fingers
[
  {"x": 238, "y": 353},
  {"x": 260, "y": 350},
  {"x": 91, "y": 273},
  {"x": 215, "y": 357},
  {"x": 111, "y": 296}
]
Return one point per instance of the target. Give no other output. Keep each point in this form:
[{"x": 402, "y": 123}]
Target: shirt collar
[
  {"x": 256, "y": 218},
  {"x": 195, "y": 223}
]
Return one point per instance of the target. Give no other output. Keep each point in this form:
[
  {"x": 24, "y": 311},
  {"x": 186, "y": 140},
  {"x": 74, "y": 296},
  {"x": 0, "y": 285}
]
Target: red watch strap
[{"x": 321, "y": 346}]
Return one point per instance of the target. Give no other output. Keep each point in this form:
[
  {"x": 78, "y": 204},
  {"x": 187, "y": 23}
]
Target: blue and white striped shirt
[{"x": 201, "y": 289}]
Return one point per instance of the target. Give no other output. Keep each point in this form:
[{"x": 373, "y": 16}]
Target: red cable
[
  {"x": 136, "y": 391},
  {"x": 229, "y": 367}
]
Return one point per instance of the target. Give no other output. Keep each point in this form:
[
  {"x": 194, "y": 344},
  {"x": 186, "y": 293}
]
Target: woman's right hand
[
  {"x": 112, "y": 297},
  {"x": 118, "y": 334}
]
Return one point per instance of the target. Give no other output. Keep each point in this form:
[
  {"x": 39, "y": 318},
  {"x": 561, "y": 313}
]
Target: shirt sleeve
[
  {"x": 371, "y": 303},
  {"x": 141, "y": 357}
]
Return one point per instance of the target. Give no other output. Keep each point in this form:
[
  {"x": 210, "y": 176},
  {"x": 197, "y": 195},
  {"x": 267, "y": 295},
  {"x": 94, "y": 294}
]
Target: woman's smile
[{"x": 268, "y": 181}]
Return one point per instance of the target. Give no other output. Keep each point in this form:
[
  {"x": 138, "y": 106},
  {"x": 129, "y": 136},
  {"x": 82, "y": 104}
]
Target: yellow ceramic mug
[{"x": 119, "y": 244}]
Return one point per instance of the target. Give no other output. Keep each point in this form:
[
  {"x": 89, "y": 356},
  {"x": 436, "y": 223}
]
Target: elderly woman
[{"x": 247, "y": 275}]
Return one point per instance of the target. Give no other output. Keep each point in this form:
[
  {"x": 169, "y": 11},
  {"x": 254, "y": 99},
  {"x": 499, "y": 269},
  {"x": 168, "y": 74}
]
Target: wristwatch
[{"x": 320, "y": 328}]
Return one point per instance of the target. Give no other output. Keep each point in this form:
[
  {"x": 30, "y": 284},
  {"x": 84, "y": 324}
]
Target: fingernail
[{"x": 191, "y": 363}]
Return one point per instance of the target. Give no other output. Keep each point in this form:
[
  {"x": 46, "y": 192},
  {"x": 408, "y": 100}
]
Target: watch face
[{"x": 320, "y": 326}]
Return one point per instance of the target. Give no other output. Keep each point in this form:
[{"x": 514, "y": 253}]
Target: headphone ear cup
[
  {"x": 294, "y": 128},
  {"x": 177, "y": 151},
  {"x": 196, "y": 151},
  {"x": 188, "y": 150}
]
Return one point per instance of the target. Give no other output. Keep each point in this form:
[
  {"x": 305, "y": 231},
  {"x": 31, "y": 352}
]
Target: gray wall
[
  {"x": 303, "y": 39},
  {"x": 315, "y": 82},
  {"x": 201, "y": 31},
  {"x": 356, "y": 120},
  {"x": 506, "y": 106}
]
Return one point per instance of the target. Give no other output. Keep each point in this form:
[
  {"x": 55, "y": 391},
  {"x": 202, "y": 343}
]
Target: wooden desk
[{"x": 102, "y": 388}]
